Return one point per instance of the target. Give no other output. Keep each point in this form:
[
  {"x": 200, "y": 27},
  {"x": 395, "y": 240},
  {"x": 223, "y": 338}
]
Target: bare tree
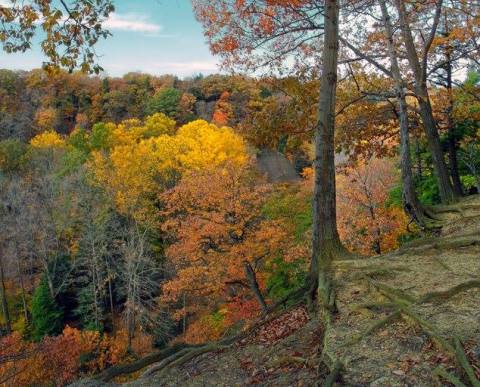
[{"x": 137, "y": 273}]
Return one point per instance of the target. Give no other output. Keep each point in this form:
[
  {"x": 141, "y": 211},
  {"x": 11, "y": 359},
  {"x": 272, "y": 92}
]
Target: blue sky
[{"x": 153, "y": 36}]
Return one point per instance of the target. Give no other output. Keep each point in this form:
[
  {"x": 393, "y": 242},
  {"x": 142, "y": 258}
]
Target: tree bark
[
  {"x": 325, "y": 241},
  {"x": 252, "y": 282},
  {"x": 452, "y": 141},
  {"x": 419, "y": 70},
  {"x": 411, "y": 204}
]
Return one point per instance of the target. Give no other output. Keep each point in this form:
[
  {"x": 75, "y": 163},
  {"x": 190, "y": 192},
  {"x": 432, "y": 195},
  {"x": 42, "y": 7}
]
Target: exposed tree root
[
  {"x": 429, "y": 329},
  {"x": 137, "y": 365},
  {"x": 462, "y": 359},
  {"x": 446, "y": 209},
  {"x": 292, "y": 359},
  {"x": 442, "y": 264},
  {"x": 402, "y": 303},
  {"x": 434, "y": 240},
  {"x": 373, "y": 328},
  {"x": 181, "y": 358},
  {"x": 334, "y": 374},
  {"x": 436, "y": 244},
  {"x": 375, "y": 306},
  {"x": 442, "y": 373},
  {"x": 181, "y": 353},
  {"x": 449, "y": 293},
  {"x": 459, "y": 208}
]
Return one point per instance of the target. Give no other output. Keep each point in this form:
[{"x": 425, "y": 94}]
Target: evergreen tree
[{"x": 47, "y": 316}]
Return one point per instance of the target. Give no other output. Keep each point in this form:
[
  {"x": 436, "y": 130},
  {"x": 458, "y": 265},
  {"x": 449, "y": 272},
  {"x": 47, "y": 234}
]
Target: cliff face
[
  {"x": 276, "y": 167},
  {"x": 205, "y": 109}
]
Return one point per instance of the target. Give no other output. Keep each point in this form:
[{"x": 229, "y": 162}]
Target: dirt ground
[{"x": 407, "y": 294}]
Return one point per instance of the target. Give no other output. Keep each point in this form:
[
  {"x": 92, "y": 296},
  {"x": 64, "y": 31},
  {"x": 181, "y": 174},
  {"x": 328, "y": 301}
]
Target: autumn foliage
[
  {"x": 215, "y": 220},
  {"x": 58, "y": 360}
]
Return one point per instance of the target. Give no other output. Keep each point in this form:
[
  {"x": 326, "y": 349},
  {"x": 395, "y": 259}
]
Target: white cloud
[{"x": 131, "y": 22}]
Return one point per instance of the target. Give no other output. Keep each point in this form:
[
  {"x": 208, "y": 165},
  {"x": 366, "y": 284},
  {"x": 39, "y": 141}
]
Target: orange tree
[
  {"x": 274, "y": 34},
  {"x": 367, "y": 224},
  {"x": 222, "y": 244}
]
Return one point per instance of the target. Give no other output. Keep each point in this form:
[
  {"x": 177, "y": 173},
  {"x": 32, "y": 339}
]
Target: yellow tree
[{"x": 147, "y": 158}]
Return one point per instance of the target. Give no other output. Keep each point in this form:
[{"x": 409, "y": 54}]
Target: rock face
[
  {"x": 276, "y": 166},
  {"x": 204, "y": 109}
]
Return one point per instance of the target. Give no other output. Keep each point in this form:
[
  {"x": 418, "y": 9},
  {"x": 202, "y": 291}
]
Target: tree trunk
[
  {"x": 252, "y": 282},
  {"x": 445, "y": 187},
  {"x": 452, "y": 141},
  {"x": 419, "y": 158},
  {"x": 325, "y": 242},
  {"x": 411, "y": 204},
  {"x": 6, "y": 313}
]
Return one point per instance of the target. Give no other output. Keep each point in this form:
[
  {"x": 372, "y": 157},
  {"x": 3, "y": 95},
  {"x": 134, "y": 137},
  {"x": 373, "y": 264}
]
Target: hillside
[{"x": 398, "y": 317}]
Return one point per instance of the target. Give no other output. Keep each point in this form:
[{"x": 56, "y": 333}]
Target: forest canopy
[{"x": 139, "y": 212}]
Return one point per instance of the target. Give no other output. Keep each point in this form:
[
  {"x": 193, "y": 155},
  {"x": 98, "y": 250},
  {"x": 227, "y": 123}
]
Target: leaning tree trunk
[
  {"x": 326, "y": 242},
  {"x": 447, "y": 194},
  {"x": 253, "y": 284},
  {"x": 411, "y": 204}
]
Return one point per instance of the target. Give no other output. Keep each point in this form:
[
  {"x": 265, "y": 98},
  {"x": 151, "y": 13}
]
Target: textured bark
[
  {"x": 326, "y": 242},
  {"x": 419, "y": 70}
]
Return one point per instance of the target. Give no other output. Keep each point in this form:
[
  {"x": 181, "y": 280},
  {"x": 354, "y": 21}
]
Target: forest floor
[{"x": 398, "y": 316}]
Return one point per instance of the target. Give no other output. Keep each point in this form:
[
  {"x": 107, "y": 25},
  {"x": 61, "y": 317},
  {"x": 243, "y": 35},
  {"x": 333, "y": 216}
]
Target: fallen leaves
[{"x": 281, "y": 326}]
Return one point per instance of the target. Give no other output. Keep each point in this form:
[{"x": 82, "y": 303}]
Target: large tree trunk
[
  {"x": 445, "y": 187},
  {"x": 326, "y": 242},
  {"x": 411, "y": 204},
  {"x": 447, "y": 194}
]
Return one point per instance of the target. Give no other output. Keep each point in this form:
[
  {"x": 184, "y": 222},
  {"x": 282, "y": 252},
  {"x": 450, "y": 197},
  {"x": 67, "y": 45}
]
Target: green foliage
[
  {"x": 408, "y": 237},
  {"x": 47, "y": 316},
  {"x": 289, "y": 207},
  {"x": 468, "y": 182},
  {"x": 72, "y": 160},
  {"x": 427, "y": 190},
  {"x": 395, "y": 197},
  {"x": 79, "y": 140},
  {"x": 285, "y": 278},
  {"x": 100, "y": 136},
  {"x": 87, "y": 308},
  {"x": 166, "y": 101}
]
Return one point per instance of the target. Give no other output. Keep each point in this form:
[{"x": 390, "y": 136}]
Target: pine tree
[{"x": 47, "y": 316}]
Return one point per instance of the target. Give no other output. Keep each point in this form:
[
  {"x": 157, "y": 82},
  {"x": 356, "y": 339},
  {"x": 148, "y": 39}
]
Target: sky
[{"x": 151, "y": 36}]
